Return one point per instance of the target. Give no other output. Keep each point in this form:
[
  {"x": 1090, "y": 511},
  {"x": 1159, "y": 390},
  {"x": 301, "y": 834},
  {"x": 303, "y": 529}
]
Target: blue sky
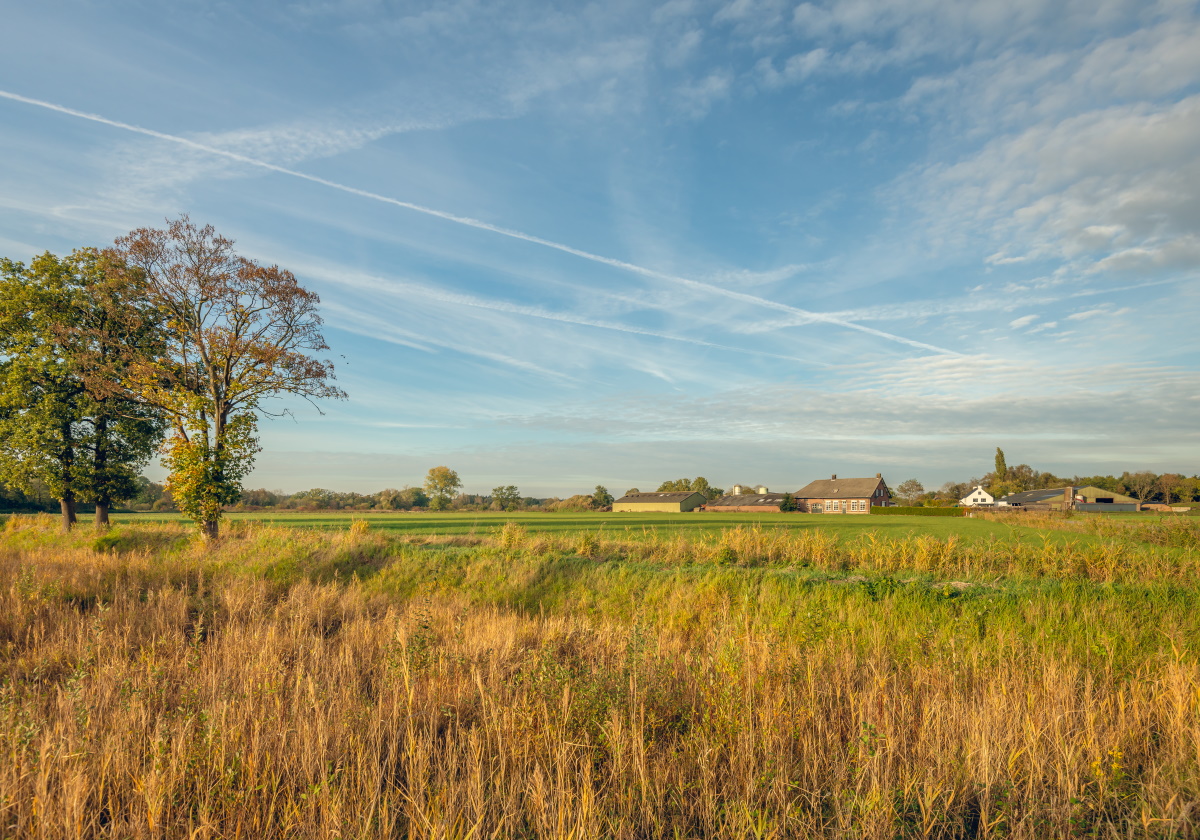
[{"x": 625, "y": 242}]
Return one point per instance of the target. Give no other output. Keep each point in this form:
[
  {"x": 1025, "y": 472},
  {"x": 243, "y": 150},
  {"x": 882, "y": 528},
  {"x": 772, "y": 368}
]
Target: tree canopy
[
  {"x": 441, "y": 485},
  {"x": 696, "y": 485},
  {"x": 507, "y": 497},
  {"x": 910, "y": 490},
  {"x": 236, "y": 333},
  {"x": 62, "y": 320}
]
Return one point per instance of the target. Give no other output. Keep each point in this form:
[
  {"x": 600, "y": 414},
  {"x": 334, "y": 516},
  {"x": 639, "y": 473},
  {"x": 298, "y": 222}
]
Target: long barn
[
  {"x": 658, "y": 502},
  {"x": 746, "y": 503}
]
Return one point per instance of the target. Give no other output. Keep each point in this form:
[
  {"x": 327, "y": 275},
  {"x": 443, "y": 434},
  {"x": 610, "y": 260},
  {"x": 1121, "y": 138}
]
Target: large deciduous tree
[
  {"x": 1140, "y": 484},
  {"x": 910, "y": 490},
  {"x": 699, "y": 484},
  {"x": 601, "y": 496},
  {"x": 441, "y": 485},
  {"x": 236, "y": 333},
  {"x": 61, "y": 321},
  {"x": 507, "y": 497},
  {"x": 1171, "y": 485}
]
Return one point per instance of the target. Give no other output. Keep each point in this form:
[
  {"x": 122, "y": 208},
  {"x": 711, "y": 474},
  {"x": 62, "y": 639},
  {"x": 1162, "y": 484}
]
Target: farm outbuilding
[
  {"x": 746, "y": 503},
  {"x": 1092, "y": 499},
  {"x": 658, "y": 502}
]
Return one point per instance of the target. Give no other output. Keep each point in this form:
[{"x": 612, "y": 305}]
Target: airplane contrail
[
  {"x": 478, "y": 224},
  {"x": 393, "y": 287}
]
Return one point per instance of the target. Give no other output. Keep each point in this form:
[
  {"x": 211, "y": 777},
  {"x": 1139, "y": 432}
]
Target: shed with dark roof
[
  {"x": 746, "y": 502},
  {"x": 1075, "y": 498}
]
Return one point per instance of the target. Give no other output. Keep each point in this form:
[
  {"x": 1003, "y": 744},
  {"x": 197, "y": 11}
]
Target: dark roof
[
  {"x": 749, "y": 499},
  {"x": 658, "y": 497},
  {"x": 1031, "y": 497},
  {"x": 839, "y": 488}
]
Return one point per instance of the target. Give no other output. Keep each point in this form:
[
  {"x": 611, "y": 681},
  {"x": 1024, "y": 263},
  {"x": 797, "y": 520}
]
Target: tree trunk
[
  {"x": 66, "y": 470},
  {"x": 100, "y": 476},
  {"x": 67, "y": 503},
  {"x": 210, "y": 530}
]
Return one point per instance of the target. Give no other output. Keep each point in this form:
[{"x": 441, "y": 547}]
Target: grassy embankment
[{"x": 987, "y": 680}]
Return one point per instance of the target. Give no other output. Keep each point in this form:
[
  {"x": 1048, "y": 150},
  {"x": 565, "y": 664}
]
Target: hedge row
[{"x": 917, "y": 511}]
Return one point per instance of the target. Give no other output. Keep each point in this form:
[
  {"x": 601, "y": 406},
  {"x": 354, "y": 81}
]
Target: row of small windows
[{"x": 840, "y": 504}]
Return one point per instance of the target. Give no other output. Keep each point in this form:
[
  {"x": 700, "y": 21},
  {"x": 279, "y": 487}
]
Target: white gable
[{"x": 978, "y": 496}]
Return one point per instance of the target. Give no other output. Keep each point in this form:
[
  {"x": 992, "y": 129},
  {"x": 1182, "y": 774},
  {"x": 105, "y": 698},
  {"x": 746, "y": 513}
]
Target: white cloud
[
  {"x": 1118, "y": 188},
  {"x": 696, "y": 98},
  {"x": 1023, "y": 321},
  {"x": 684, "y": 48},
  {"x": 935, "y": 405},
  {"x": 1048, "y": 325}
]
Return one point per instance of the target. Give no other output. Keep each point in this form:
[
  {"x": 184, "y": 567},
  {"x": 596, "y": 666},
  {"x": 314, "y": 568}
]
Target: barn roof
[
  {"x": 634, "y": 498},
  {"x": 839, "y": 488},
  {"x": 1030, "y": 497},
  {"x": 749, "y": 500}
]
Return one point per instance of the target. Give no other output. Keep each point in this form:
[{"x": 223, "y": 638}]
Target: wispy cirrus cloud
[
  {"x": 467, "y": 221},
  {"x": 1037, "y": 405},
  {"x": 1116, "y": 189},
  {"x": 407, "y": 289},
  {"x": 372, "y": 326}
]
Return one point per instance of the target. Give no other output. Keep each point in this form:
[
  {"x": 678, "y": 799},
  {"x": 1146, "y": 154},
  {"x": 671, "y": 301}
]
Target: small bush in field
[
  {"x": 512, "y": 536},
  {"x": 586, "y": 545}
]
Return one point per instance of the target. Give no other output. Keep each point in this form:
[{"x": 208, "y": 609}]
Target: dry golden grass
[{"x": 158, "y": 691}]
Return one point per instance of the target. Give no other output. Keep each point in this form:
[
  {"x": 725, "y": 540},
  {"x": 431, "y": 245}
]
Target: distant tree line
[
  {"x": 1145, "y": 486},
  {"x": 411, "y": 498}
]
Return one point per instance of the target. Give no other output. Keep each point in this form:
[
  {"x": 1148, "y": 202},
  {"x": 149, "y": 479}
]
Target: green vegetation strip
[{"x": 918, "y": 511}]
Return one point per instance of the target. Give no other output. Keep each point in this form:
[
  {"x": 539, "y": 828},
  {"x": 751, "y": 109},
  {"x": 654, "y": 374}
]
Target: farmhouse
[
  {"x": 843, "y": 495},
  {"x": 1092, "y": 499},
  {"x": 658, "y": 502},
  {"x": 978, "y": 498},
  {"x": 746, "y": 502}
]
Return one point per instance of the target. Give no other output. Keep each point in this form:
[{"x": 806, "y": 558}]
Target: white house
[{"x": 978, "y": 498}]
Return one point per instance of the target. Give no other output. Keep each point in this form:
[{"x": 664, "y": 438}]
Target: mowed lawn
[{"x": 632, "y": 525}]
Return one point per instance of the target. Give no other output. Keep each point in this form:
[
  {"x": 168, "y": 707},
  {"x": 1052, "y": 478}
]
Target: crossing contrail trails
[
  {"x": 402, "y": 288},
  {"x": 807, "y": 315}
]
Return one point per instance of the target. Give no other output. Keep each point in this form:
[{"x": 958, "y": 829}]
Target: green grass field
[{"x": 633, "y": 525}]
